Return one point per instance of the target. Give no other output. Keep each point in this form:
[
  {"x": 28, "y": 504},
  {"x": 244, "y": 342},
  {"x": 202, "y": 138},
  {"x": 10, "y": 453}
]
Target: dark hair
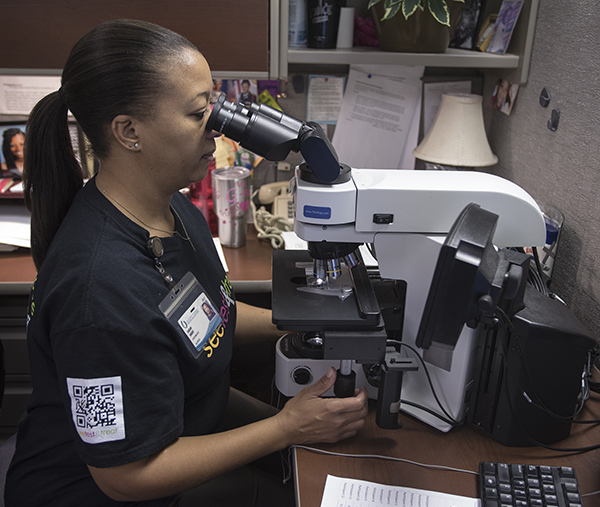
[
  {"x": 116, "y": 68},
  {"x": 6, "y": 151}
]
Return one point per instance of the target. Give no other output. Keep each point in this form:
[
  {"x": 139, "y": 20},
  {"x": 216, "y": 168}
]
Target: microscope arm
[{"x": 395, "y": 202}]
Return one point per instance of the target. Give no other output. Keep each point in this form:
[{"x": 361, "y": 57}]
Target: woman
[
  {"x": 13, "y": 140},
  {"x": 128, "y": 402}
]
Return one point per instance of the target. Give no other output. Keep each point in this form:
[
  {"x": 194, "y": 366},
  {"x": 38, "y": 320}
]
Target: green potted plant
[{"x": 416, "y": 26}]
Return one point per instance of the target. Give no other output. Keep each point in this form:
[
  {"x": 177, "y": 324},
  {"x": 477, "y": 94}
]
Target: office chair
[{"x": 7, "y": 448}]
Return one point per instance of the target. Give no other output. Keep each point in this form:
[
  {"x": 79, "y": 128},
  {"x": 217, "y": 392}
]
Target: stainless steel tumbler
[{"x": 232, "y": 189}]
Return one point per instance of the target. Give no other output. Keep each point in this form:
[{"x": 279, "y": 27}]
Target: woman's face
[
  {"x": 16, "y": 146},
  {"x": 178, "y": 149}
]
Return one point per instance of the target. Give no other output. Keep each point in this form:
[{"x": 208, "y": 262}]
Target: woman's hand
[
  {"x": 308, "y": 418},
  {"x": 190, "y": 461}
]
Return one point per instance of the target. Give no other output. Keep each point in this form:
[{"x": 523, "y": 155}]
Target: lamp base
[{"x": 439, "y": 167}]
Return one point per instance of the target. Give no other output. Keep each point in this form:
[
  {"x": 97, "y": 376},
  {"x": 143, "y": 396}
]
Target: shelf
[
  {"x": 451, "y": 58},
  {"x": 513, "y": 66}
]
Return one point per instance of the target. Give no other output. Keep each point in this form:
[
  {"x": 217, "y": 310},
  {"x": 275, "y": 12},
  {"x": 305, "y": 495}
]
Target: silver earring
[{"x": 136, "y": 145}]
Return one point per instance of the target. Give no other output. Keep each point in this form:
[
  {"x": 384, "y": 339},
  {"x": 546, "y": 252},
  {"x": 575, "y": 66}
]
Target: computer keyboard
[{"x": 508, "y": 484}]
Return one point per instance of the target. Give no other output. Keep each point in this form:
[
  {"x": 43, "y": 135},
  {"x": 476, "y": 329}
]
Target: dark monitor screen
[{"x": 464, "y": 273}]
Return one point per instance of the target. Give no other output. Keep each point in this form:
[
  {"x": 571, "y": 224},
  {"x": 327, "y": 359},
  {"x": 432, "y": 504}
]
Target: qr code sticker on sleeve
[{"x": 97, "y": 408}]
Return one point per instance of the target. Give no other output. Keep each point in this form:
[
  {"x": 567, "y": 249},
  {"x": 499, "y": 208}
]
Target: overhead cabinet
[{"x": 233, "y": 35}]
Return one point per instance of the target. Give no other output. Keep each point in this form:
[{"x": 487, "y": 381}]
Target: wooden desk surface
[
  {"x": 249, "y": 267},
  {"x": 463, "y": 448}
]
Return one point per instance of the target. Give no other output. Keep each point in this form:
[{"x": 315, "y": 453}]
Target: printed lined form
[{"x": 341, "y": 492}]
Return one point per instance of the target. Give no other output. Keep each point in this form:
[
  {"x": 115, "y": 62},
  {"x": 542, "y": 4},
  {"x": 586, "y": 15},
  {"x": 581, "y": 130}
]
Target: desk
[
  {"x": 463, "y": 448},
  {"x": 249, "y": 267}
]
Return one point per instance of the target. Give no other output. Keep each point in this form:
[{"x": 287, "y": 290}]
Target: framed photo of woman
[{"x": 11, "y": 155}]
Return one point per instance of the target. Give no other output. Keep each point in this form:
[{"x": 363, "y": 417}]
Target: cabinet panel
[
  {"x": 233, "y": 35},
  {"x": 14, "y": 406},
  {"x": 14, "y": 340},
  {"x": 17, "y": 385}
]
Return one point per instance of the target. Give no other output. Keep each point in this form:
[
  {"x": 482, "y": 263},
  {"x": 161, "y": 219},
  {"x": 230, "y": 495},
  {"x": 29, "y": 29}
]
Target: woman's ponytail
[{"x": 52, "y": 175}]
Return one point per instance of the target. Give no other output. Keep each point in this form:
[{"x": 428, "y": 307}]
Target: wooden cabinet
[
  {"x": 233, "y": 35},
  {"x": 513, "y": 66},
  {"x": 17, "y": 388}
]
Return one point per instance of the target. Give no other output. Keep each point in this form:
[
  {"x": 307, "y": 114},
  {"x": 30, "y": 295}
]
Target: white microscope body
[{"x": 406, "y": 215}]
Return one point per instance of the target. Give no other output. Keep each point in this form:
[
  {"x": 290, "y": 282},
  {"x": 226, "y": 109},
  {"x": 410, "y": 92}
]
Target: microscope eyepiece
[
  {"x": 272, "y": 134},
  {"x": 258, "y": 128}
]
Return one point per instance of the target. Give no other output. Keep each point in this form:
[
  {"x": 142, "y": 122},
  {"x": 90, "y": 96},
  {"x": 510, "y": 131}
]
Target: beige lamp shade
[{"x": 457, "y": 136}]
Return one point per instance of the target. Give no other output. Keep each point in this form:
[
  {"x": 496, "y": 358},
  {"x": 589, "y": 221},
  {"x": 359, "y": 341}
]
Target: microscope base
[{"x": 294, "y": 372}]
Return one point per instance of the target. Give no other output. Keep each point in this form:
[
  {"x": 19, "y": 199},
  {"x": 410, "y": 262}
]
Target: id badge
[{"x": 191, "y": 312}]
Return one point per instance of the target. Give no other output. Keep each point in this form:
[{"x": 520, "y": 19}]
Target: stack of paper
[
  {"x": 219, "y": 248},
  {"x": 14, "y": 227},
  {"x": 341, "y": 492}
]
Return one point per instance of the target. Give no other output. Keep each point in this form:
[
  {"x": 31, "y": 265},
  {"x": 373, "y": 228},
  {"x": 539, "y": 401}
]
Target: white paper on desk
[
  {"x": 432, "y": 98},
  {"x": 15, "y": 226},
  {"x": 219, "y": 248},
  {"x": 293, "y": 242},
  {"x": 379, "y": 119},
  {"x": 18, "y": 94},
  {"x": 341, "y": 492}
]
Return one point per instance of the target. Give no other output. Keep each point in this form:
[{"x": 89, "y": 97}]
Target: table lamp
[{"x": 457, "y": 138}]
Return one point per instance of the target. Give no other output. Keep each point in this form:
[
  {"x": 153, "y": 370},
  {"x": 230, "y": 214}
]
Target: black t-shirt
[{"x": 113, "y": 381}]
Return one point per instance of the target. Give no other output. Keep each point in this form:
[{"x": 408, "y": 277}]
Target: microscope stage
[{"x": 296, "y": 310}]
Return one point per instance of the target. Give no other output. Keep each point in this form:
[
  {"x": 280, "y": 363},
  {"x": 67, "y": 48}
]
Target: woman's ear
[{"x": 124, "y": 131}]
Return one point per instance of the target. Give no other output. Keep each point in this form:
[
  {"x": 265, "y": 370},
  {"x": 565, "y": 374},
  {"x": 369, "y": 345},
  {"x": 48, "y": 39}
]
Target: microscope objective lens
[
  {"x": 352, "y": 259},
  {"x": 320, "y": 269},
  {"x": 334, "y": 268}
]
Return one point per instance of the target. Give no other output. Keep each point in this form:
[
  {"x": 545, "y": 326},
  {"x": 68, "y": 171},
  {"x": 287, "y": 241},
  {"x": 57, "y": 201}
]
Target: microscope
[{"x": 410, "y": 327}]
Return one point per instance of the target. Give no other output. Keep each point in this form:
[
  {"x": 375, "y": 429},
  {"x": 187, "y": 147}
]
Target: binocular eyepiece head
[{"x": 273, "y": 134}]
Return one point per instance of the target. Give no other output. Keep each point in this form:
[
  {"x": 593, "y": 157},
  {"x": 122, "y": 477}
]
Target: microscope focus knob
[{"x": 301, "y": 375}]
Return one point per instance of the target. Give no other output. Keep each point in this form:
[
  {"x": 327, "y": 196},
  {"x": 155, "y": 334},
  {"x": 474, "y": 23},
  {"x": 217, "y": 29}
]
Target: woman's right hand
[
  {"x": 308, "y": 418},
  {"x": 190, "y": 461}
]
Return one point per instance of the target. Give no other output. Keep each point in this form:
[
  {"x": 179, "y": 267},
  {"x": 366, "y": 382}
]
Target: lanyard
[{"x": 156, "y": 248}]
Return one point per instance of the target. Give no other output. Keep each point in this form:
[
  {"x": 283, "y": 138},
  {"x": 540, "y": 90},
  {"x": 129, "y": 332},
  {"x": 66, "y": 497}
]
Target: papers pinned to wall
[
  {"x": 325, "y": 95},
  {"x": 378, "y": 125},
  {"x": 18, "y": 94}
]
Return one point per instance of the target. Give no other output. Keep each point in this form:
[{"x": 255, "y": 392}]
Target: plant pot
[{"x": 420, "y": 33}]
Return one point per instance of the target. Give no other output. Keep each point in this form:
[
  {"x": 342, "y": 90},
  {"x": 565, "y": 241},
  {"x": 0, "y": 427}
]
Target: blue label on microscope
[{"x": 319, "y": 212}]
